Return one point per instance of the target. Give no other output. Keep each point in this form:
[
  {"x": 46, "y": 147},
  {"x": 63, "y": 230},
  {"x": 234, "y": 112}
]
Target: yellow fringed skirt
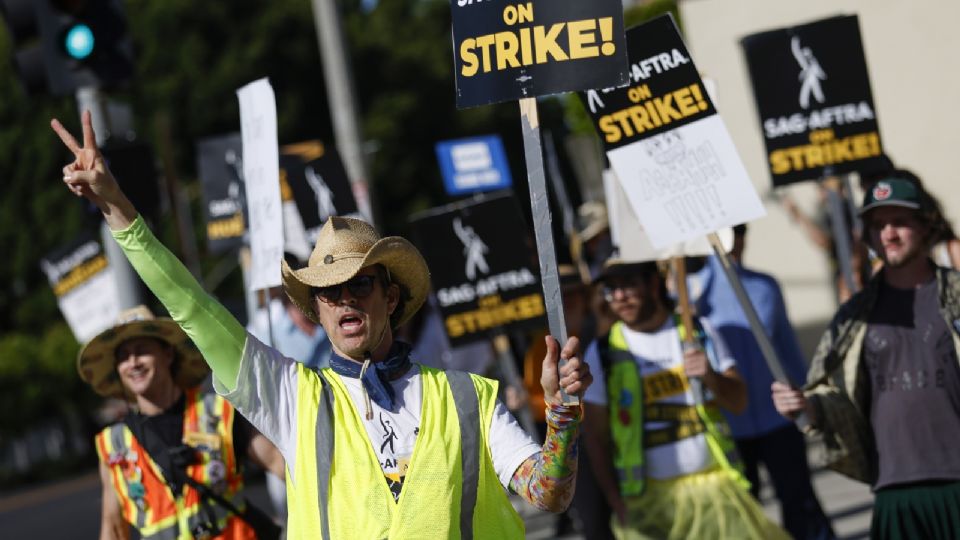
[{"x": 703, "y": 505}]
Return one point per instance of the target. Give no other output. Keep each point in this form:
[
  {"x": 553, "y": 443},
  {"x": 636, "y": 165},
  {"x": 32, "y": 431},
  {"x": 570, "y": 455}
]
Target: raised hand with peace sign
[{"x": 88, "y": 176}]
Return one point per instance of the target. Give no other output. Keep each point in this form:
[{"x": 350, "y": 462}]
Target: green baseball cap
[{"x": 892, "y": 191}]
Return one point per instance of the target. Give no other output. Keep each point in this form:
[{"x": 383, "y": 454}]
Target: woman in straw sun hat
[
  {"x": 151, "y": 363},
  {"x": 375, "y": 445}
]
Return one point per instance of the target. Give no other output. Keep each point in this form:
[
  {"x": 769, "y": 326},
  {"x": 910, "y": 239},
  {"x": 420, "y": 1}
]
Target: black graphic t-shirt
[{"x": 915, "y": 387}]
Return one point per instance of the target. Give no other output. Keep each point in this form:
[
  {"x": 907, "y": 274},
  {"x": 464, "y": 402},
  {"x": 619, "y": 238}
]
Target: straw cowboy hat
[
  {"x": 344, "y": 246},
  {"x": 97, "y": 364}
]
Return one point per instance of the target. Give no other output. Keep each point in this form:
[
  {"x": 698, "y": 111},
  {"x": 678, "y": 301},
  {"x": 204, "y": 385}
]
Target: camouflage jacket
[{"x": 838, "y": 384}]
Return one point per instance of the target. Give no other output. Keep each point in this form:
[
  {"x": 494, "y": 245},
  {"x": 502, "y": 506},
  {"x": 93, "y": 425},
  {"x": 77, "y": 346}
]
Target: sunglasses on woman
[{"x": 360, "y": 287}]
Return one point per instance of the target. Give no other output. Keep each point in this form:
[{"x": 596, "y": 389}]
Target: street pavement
[{"x": 71, "y": 509}]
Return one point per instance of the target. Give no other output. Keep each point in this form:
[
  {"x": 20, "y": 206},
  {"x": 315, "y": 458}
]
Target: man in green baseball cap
[{"x": 884, "y": 383}]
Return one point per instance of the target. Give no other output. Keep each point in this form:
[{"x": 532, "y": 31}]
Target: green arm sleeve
[{"x": 217, "y": 334}]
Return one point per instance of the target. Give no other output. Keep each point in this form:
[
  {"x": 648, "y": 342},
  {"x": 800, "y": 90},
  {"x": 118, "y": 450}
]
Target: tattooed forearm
[{"x": 547, "y": 479}]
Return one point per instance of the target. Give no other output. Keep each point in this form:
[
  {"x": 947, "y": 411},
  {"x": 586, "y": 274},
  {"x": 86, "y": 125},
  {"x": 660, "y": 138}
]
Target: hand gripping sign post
[
  {"x": 674, "y": 157},
  {"x": 258, "y": 126},
  {"x": 812, "y": 90},
  {"x": 519, "y": 50}
]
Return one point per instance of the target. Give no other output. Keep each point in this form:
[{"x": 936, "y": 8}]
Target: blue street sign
[{"x": 473, "y": 164}]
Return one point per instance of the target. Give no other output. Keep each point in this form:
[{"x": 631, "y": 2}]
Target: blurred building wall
[{"x": 911, "y": 54}]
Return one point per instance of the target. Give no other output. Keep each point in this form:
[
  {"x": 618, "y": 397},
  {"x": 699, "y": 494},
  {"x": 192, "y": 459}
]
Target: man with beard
[
  {"x": 663, "y": 456},
  {"x": 884, "y": 385}
]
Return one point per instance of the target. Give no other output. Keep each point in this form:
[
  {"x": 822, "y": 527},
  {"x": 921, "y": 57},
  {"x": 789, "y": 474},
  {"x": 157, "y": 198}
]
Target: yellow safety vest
[
  {"x": 146, "y": 500},
  {"x": 451, "y": 490},
  {"x": 625, "y": 400}
]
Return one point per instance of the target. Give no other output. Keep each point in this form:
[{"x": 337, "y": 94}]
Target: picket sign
[
  {"x": 526, "y": 49},
  {"x": 674, "y": 160}
]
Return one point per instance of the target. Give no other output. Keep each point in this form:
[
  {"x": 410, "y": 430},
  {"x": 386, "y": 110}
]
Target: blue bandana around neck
[{"x": 376, "y": 380}]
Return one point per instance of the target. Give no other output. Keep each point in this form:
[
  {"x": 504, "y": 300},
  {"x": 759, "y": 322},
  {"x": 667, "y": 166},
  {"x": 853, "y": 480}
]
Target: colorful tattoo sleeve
[{"x": 547, "y": 479}]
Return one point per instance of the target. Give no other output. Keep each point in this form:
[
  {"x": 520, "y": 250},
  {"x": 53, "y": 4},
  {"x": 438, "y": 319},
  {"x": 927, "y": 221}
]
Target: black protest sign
[
  {"x": 73, "y": 264},
  {"x": 83, "y": 283},
  {"x": 220, "y": 165},
  {"x": 665, "y": 90},
  {"x": 813, "y": 97},
  {"x": 508, "y": 50},
  {"x": 318, "y": 184},
  {"x": 481, "y": 267}
]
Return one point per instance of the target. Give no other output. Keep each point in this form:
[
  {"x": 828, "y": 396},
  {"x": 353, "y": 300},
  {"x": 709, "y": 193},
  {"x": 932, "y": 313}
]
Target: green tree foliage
[{"x": 190, "y": 59}]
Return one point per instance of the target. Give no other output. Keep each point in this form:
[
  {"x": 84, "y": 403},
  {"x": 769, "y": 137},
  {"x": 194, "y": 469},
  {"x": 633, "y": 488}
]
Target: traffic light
[{"x": 62, "y": 45}]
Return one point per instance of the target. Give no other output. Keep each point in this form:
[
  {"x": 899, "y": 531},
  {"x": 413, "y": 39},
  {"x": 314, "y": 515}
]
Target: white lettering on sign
[
  {"x": 461, "y": 3},
  {"x": 471, "y": 157},
  {"x": 659, "y": 63},
  {"x": 850, "y": 113},
  {"x": 641, "y": 71},
  {"x": 498, "y": 283}
]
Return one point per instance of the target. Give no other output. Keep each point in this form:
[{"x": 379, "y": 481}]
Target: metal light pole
[
  {"x": 343, "y": 106},
  {"x": 128, "y": 283}
]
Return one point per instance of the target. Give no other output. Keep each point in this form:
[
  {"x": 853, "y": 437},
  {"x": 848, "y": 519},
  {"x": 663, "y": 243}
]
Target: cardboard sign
[
  {"x": 318, "y": 186},
  {"x": 667, "y": 144},
  {"x": 630, "y": 238},
  {"x": 83, "y": 283},
  {"x": 813, "y": 97},
  {"x": 473, "y": 164},
  {"x": 220, "y": 165},
  {"x": 507, "y": 50},
  {"x": 480, "y": 267},
  {"x": 258, "y": 129}
]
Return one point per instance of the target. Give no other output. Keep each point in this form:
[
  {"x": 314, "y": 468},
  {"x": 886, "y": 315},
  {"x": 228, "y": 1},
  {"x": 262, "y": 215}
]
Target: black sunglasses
[{"x": 359, "y": 287}]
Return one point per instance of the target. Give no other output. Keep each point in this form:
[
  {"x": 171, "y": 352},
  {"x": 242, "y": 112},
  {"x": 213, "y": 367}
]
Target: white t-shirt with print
[
  {"x": 655, "y": 352},
  {"x": 266, "y": 394}
]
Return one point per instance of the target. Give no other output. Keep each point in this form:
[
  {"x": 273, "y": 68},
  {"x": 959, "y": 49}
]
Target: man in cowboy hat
[
  {"x": 164, "y": 467},
  {"x": 883, "y": 387},
  {"x": 375, "y": 446}
]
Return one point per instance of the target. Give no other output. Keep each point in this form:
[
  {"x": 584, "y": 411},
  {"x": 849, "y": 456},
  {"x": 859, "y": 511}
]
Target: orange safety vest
[{"x": 147, "y": 501}]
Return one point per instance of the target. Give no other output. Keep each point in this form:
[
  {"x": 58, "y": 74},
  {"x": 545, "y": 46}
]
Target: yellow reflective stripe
[
  {"x": 114, "y": 442},
  {"x": 161, "y": 529},
  {"x": 664, "y": 384}
]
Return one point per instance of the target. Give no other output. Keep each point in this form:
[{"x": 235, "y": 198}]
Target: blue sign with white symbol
[{"x": 473, "y": 164}]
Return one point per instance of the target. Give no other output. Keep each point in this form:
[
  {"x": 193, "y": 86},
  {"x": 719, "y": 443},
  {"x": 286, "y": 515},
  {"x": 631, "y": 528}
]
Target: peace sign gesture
[{"x": 88, "y": 176}]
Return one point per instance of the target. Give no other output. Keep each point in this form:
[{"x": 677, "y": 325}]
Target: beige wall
[{"x": 911, "y": 50}]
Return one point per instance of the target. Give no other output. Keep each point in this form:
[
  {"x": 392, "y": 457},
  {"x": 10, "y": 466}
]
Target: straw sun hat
[
  {"x": 346, "y": 245},
  {"x": 97, "y": 364}
]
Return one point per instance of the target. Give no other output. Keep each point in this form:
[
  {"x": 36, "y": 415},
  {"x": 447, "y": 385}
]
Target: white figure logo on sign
[
  {"x": 473, "y": 249},
  {"x": 810, "y": 73},
  {"x": 325, "y": 207}
]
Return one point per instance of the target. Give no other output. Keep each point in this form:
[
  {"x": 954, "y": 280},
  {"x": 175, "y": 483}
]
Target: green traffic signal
[{"x": 79, "y": 41}]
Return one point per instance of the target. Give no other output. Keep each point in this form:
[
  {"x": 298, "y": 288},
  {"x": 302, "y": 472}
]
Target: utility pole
[
  {"x": 343, "y": 106},
  {"x": 90, "y": 98}
]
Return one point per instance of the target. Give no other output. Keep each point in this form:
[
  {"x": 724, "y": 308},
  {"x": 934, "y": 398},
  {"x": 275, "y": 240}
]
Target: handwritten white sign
[
  {"x": 261, "y": 170},
  {"x": 632, "y": 241},
  {"x": 687, "y": 182}
]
